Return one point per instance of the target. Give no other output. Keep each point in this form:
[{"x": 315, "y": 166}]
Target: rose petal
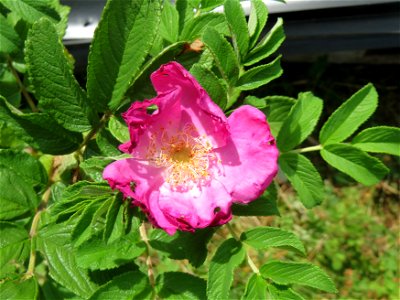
[
  {"x": 142, "y": 125},
  {"x": 196, "y": 208},
  {"x": 197, "y": 107},
  {"x": 249, "y": 160},
  {"x": 133, "y": 178}
]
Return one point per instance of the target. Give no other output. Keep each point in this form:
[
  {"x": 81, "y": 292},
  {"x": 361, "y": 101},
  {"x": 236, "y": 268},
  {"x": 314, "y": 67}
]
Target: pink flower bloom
[{"x": 189, "y": 162}]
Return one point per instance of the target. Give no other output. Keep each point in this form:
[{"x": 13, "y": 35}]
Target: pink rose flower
[{"x": 189, "y": 162}]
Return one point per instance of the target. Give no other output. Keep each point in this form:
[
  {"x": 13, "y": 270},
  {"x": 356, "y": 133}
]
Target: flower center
[
  {"x": 181, "y": 153},
  {"x": 186, "y": 157}
]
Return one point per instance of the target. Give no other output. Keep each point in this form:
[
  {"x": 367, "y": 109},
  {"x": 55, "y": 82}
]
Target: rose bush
[{"x": 189, "y": 162}]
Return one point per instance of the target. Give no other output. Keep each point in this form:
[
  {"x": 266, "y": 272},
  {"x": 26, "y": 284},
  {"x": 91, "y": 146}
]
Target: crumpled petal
[
  {"x": 249, "y": 159},
  {"x": 197, "y": 107},
  {"x": 142, "y": 125}
]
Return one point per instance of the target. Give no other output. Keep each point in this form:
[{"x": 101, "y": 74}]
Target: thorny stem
[
  {"x": 150, "y": 272},
  {"x": 249, "y": 259},
  {"x": 28, "y": 98},
  {"x": 307, "y": 149}
]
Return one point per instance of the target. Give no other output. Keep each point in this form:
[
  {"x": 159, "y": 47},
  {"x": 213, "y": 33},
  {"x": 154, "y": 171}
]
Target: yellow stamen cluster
[{"x": 185, "y": 155}]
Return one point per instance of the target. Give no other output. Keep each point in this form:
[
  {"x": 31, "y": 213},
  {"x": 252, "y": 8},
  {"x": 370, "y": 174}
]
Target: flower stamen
[{"x": 186, "y": 156}]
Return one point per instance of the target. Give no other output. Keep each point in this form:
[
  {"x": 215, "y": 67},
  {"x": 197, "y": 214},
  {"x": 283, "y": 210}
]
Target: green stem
[
  {"x": 94, "y": 130},
  {"x": 307, "y": 149},
  {"x": 249, "y": 259},
  {"x": 28, "y": 98},
  {"x": 32, "y": 234},
  {"x": 150, "y": 271},
  {"x": 35, "y": 222},
  {"x": 252, "y": 264}
]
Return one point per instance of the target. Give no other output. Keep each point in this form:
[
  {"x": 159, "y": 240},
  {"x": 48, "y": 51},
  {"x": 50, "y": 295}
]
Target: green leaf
[
  {"x": 25, "y": 167},
  {"x": 20, "y": 289},
  {"x": 96, "y": 254},
  {"x": 301, "y": 121},
  {"x": 354, "y": 162},
  {"x": 183, "y": 245},
  {"x": 256, "y": 288},
  {"x": 223, "y": 54},
  {"x": 9, "y": 39},
  {"x": 265, "y": 237},
  {"x": 349, "y": 116},
  {"x": 237, "y": 23},
  {"x": 381, "y": 139},
  {"x": 260, "y": 75},
  {"x": 107, "y": 144},
  {"x": 257, "y": 20},
  {"x": 56, "y": 88},
  {"x": 277, "y": 111},
  {"x": 17, "y": 197},
  {"x": 259, "y": 103},
  {"x": 118, "y": 129},
  {"x": 195, "y": 27},
  {"x": 176, "y": 285},
  {"x": 120, "y": 45},
  {"x": 54, "y": 243},
  {"x": 297, "y": 273},
  {"x": 185, "y": 11},
  {"x": 77, "y": 197},
  {"x": 211, "y": 83},
  {"x": 33, "y": 10},
  {"x": 113, "y": 216},
  {"x": 220, "y": 275},
  {"x": 304, "y": 177},
  {"x": 130, "y": 285},
  {"x": 265, "y": 205},
  {"x": 52, "y": 290},
  {"x": 94, "y": 167},
  {"x": 169, "y": 26},
  {"x": 282, "y": 293},
  {"x": 14, "y": 247},
  {"x": 207, "y": 5},
  {"x": 40, "y": 130},
  {"x": 268, "y": 45}
]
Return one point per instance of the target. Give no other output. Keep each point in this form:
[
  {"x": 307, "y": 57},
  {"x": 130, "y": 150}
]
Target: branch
[{"x": 28, "y": 98}]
